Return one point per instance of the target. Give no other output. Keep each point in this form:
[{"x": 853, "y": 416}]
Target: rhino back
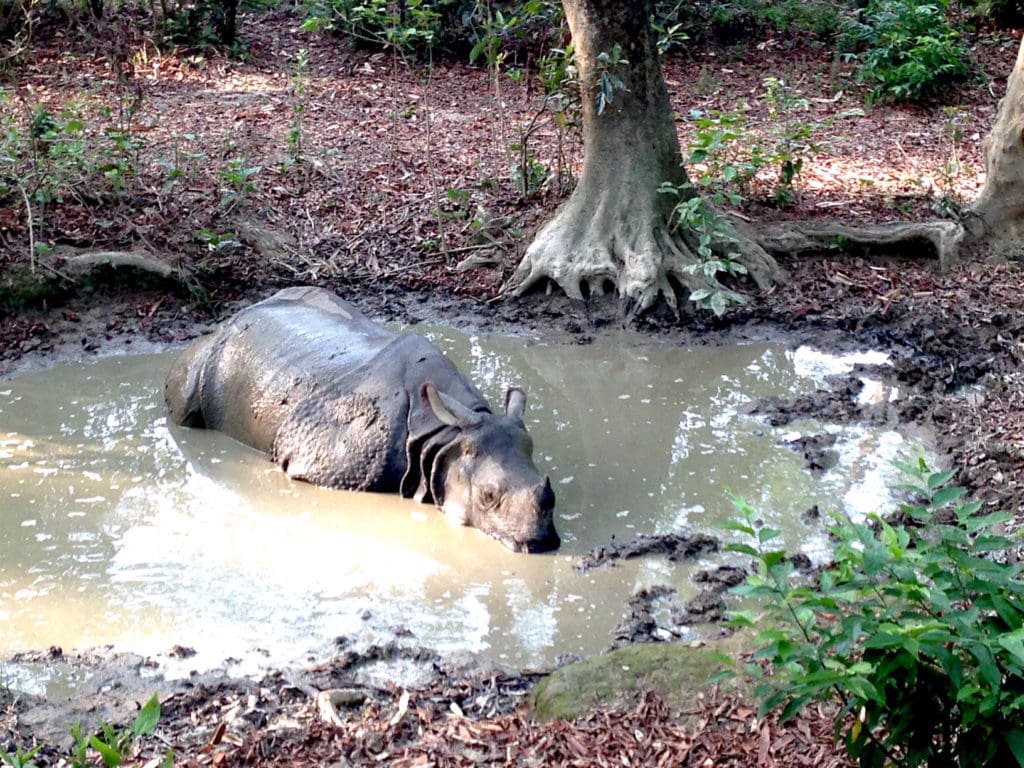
[
  {"x": 307, "y": 378},
  {"x": 354, "y": 432},
  {"x": 270, "y": 357}
]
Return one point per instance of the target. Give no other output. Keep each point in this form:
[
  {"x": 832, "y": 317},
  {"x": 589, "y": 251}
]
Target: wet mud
[
  {"x": 956, "y": 352},
  {"x": 658, "y": 614},
  {"x": 674, "y": 547},
  {"x": 817, "y": 450}
]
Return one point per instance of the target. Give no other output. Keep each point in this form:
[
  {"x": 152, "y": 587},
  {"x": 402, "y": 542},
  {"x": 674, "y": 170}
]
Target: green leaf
[
  {"x": 946, "y": 496},
  {"x": 1014, "y": 643},
  {"x": 968, "y": 510},
  {"x": 966, "y": 513},
  {"x": 1015, "y": 743},
  {"x": 793, "y": 706},
  {"x": 743, "y": 549},
  {"x": 966, "y": 692},
  {"x": 111, "y": 757},
  {"x": 938, "y": 479},
  {"x": 721, "y": 676},
  {"x": 987, "y": 665},
  {"x": 771, "y": 559},
  {"x": 147, "y": 718},
  {"x": 881, "y": 640},
  {"x": 1007, "y": 611},
  {"x": 741, "y": 618},
  {"x": 736, "y": 525},
  {"x": 863, "y": 689},
  {"x": 718, "y": 303}
]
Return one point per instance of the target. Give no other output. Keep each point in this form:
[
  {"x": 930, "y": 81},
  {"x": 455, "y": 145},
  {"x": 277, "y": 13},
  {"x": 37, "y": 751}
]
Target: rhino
[{"x": 340, "y": 402}]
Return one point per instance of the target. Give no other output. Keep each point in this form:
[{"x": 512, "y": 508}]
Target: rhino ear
[
  {"x": 515, "y": 403},
  {"x": 448, "y": 410}
]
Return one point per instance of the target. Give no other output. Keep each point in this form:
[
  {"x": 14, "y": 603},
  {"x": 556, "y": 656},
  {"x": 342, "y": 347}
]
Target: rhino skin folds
[{"x": 341, "y": 402}]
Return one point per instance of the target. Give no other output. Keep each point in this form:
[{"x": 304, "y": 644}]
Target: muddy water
[{"x": 116, "y": 529}]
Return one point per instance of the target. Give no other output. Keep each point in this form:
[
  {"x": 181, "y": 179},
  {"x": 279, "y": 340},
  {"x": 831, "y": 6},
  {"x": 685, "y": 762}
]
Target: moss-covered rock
[{"x": 675, "y": 672}]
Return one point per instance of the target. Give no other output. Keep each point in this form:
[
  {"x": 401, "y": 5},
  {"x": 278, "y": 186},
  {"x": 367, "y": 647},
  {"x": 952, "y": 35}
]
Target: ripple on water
[{"x": 118, "y": 529}]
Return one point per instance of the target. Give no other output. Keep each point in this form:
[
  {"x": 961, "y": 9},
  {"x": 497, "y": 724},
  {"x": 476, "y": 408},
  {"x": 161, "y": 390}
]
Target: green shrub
[
  {"x": 201, "y": 23},
  {"x": 731, "y": 155},
  {"x": 454, "y": 26},
  {"x": 714, "y": 22},
  {"x": 916, "y": 631},
  {"x": 703, "y": 22},
  {"x": 816, "y": 19},
  {"x": 909, "y": 51},
  {"x": 1007, "y": 14},
  {"x": 13, "y": 14},
  {"x": 380, "y": 23}
]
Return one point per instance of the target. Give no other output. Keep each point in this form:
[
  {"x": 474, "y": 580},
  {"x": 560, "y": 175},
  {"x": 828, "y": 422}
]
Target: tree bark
[
  {"x": 999, "y": 209},
  {"x": 615, "y": 231}
]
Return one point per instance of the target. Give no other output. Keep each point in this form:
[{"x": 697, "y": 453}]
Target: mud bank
[{"x": 955, "y": 348}]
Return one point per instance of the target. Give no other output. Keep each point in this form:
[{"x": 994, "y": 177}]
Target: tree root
[
  {"x": 942, "y": 238},
  {"x": 635, "y": 255},
  {"x": 327, "y": 703},
  {"x": 76, "y": 263},
  {"x": 642, "y": 261}
]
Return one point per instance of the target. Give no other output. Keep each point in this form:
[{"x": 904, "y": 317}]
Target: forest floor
[{"x": 400, "y": 197}]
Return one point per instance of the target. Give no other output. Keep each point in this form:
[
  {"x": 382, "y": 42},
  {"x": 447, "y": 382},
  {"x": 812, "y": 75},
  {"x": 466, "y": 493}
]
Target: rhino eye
[{"x": 488, "y": 496}]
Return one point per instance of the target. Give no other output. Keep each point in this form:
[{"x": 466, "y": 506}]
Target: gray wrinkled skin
[{"x": 338, "y": 401}]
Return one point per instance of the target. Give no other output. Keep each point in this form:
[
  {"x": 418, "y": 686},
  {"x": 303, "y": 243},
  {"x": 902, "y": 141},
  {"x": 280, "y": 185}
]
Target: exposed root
[
  {"x": 74, "y": 262},
  {"x": 327, "y": 703},
  {"x": 642, "y": 259},
  {"x": 630, "y": 253},
  {"x": 940, "y": 237}
]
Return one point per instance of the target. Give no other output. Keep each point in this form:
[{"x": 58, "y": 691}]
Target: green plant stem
[
  {"x": 782, "y": 593},
  {"x": 431, "y": 171},
  {"x": 31, "y": 230}
]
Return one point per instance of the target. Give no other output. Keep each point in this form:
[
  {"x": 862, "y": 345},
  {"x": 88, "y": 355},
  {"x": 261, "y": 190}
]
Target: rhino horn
[
  {"x": 515, "y": 404},
  {"x": 447, "y": 409}
]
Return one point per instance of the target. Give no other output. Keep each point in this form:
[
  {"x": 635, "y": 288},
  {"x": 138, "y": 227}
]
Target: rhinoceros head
[{"x": 484, "y": 475}]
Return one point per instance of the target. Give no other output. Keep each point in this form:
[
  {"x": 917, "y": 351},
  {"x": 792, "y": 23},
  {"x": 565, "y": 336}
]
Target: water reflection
[{"x": 116, "y": 529}]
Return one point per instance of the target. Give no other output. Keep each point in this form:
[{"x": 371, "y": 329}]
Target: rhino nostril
[
  {"x": 547, "y": 544},
  {"x": 546, "y": 496}
]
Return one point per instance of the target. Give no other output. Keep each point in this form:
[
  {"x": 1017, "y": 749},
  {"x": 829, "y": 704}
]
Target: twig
[
  {"x": 464, "y": 248},
  {"x": 58, "y": 273},
  {"x": 31, "y": 231},
  {"x": 406, "y": 267},
  {"x": 431, "y": 171}
]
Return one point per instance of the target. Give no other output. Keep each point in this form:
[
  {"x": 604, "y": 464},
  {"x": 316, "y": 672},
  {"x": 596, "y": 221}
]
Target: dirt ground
[{"x": 402, "y": 179}]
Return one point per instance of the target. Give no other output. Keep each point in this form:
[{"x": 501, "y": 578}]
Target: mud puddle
[{"x": 118, "y": 530}]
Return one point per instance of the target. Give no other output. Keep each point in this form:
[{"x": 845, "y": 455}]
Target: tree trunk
[
  {"x": 226, "y": 16},
  {"x": 615, "y": 231},
  {"x": 999, "y": 209}
]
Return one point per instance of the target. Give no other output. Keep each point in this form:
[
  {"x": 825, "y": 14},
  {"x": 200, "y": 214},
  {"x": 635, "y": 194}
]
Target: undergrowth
[
  {"x": 915, "y": 630},
  {"x": 110, "y": 746}
]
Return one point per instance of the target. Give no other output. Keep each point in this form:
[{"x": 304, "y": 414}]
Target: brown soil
[{"x": 358, "y": 214}]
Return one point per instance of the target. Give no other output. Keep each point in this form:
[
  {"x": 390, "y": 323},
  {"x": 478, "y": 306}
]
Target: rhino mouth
[{"x": 535, "y": 546}]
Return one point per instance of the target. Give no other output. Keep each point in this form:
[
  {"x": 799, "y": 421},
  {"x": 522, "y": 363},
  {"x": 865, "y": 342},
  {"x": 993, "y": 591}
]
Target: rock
[
  {"x": 676, "y": 672},
  {"x": 817, "y": 450}
]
